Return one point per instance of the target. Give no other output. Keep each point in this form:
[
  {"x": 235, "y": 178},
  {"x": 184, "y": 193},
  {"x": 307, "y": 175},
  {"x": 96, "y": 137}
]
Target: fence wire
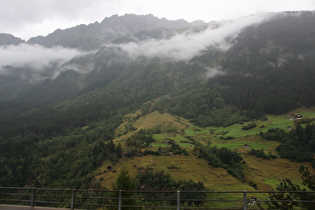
[{"x": 137, "y": 199}]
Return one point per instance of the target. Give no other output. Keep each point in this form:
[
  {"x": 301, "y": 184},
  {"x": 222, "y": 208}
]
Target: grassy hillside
[
  {"x": 57, "y": 132},
  {"x": 165, "y": 128}
]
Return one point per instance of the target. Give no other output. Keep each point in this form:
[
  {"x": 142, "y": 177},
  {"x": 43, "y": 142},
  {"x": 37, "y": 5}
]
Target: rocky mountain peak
[
  {"x": 92, "y": 36},
  {"x": 8, "y": 39}
]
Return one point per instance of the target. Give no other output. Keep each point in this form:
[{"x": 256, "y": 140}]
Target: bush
[
  {"x": 249, "y": 126},
  {"x": 173, "y": 167},
  {"x": 274, "y": 134},
  {"x": 223, "y": 157}
]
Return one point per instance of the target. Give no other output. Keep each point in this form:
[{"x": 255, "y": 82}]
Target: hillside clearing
[{"x": 265, "y": 173}]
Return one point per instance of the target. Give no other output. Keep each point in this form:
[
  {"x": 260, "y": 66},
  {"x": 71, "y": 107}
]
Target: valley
[{"x": 206, "y": 106}]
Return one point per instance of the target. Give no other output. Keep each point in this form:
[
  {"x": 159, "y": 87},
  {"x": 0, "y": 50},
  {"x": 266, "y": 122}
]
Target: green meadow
[{"x": 266, "y": 174}]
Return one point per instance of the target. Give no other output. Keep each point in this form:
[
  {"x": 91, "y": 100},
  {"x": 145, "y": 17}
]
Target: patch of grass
[
  {"x": 266, "y": 173},
  {"x": 272, "y": 182},
  {"x": 255, "y": 142},
  {"x": 194, "y": 130},
  {"x": 179, "y": 139},
  {"x": 190, "y": 168},
  {"x": 159, "y": 137},
  {"x": 273, "y": 121},
  {"x": 269, "y": 173},
  {"x": 185, "y": 145},
  {"x": 236, "y": 145},
  {"x": 159, "y": 145},
  {"x": 165, "y": 121}
]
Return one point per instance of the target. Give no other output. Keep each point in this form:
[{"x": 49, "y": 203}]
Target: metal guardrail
[{"x": 133, "y": 199}]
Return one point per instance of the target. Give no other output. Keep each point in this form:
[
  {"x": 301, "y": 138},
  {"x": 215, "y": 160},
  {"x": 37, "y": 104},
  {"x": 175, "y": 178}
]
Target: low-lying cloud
[
  {"x": 186, "y": 46},
  {"x": 35, "y": 57},
  {"x": 212, "y": 72},
  {"x": 39, "y": 62}
]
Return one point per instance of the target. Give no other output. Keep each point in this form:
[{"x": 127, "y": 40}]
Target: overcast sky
[{"x": 28, "y": 18}]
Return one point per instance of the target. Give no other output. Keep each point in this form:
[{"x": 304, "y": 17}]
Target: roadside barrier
[{"x": 141, "y": 199}]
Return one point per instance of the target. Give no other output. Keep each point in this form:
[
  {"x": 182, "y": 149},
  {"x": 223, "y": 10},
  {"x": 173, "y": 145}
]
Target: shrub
[{"x": 249, "y": 126}]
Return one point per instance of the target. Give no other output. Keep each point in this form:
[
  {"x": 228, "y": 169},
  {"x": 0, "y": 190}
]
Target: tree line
[{"x": 298, "y": 144}]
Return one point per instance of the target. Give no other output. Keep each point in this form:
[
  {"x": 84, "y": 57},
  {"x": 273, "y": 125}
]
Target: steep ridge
[
  {"x": 92, "y": 36},
  {"x": 8, "y": 39}
]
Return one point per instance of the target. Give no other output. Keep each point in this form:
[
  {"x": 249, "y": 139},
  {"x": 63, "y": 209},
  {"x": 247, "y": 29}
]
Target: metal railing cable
[{"x": 142, "y": 199}]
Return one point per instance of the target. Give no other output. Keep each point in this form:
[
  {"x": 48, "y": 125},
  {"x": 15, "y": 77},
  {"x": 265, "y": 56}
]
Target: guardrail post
[
  {"x": 120, "y": 200},
  {"x": 33, "y": 197},
  {"x": 245, "y": 200},
  {"x": 73, "y": 199},
  {"x": 178, "y": 199}
]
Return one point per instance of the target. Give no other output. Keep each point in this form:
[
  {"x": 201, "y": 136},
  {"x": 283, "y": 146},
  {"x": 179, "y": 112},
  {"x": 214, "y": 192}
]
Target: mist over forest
[{"x": 128, "y": 88}]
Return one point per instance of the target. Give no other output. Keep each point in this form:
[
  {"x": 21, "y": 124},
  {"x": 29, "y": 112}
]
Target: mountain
[
  {"x": 76, "y": 102},
  {"x": 92, "y": 36},
  {"x": 243, "y": 74},
  {"x": 8, "y": 39}
]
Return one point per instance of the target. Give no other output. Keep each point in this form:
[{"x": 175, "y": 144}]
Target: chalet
[
  {"x": 246, "y": 146},
  {"x": 298, "y": 117},
  {"x": 289, "y": 128},
  {"x": 252, "y": 201}
]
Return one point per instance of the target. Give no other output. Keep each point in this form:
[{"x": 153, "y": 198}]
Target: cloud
[
  {"x": 35, "y": 58},
  {"x": 30, "y": 18},
  {"x": 187, "y": 45},
  {"x": 212, "y": 72},
  {"x": 42, "y": 62}
]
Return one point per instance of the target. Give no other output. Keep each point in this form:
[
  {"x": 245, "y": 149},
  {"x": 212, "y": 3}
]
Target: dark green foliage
[
  {"x": 174, "y": 149},
  {"x": 261, "y": 154},
  {"x": 223, "y": 157},
  {"x": 299, "y": 144},
  {"x": 140, "y": 140},
  {"x": 307, "y": 177},
  {"x": 304, "y": 121},
  {"x": 287, "y": 185},
  {"x": 269, "y": 70},
  {"x": 159, "y": 181},
  {"x": 48, "y": 147},
  {"x": 259, "y": 82},
  {"x": 65, "y": 161},
  {"x": 249, "y": 126},
  {"x": 173, "y": 167},
  {"x": 124, "y": 182},
  {"x": 203, "y": 104},
  {"x": 150, "y": 152},
  {"x": 274, "y": 134},
  {"x": 253, "y": 184},
  {"x": 117, "y": 94},
  {"x": 193, "y": 141}
]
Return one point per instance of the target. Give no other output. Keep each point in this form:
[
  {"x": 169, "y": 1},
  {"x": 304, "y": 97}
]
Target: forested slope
[{"x": 55, "y": 132}]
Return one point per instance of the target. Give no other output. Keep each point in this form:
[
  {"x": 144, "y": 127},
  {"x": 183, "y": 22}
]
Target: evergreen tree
[
  {"x": 125, "y": 183},
  {"x": 287, "y": 185}
]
